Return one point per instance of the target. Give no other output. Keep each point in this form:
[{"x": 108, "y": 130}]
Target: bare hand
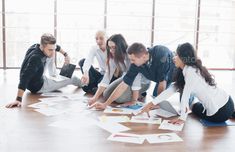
[
  {"x": 147, "y": 108},
  {"x": 66, "y": 60},
  {"x": 85, "y": 79},
  {"x": 13, "y": 104},
  {"x": 91, "y": 101},
  {"x": 176, "y": 121},
  {"x": 98, "y": 106}
]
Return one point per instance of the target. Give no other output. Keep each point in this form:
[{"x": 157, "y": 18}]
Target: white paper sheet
[
  {"x": 126, "y": 137},
  {"x": 169, "y": 126},
  {"x": 113, "y": 119},
  {"x": 162, "y": 138},
  {"x": 49, "y": 111},
  {"x": 112, "y": 127},
  {"x": 73, "y": 124},
  {"x": 55, "y": 99},
  {"x": 42, "y": 104},
  {"x": 145, "y": 119},
  {"x": 118, "y": 110},
  {"x": 164, "y": 113}
]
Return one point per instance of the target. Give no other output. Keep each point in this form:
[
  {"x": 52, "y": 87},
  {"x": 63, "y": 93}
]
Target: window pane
[
  {"x": 132, "y": 18},
  {"x": 174, "y": 22},
  {"x": 1, "y": 50},
  {"x": 25, "y": 25},
  {"x": 78, "y": 22},
  {"x": 217, "y": 33}
]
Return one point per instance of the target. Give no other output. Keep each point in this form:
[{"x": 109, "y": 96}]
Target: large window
[
  {"x": 151, "y": 22},
  {"x": 26, "y": 20},
  {"x": 217, "y": 33},
  {"x": 1, "y": 50},
  {"x": 131, "y": 18},
  {"x": 174, "y": 22},
  {"x": 78, "y": 22}
]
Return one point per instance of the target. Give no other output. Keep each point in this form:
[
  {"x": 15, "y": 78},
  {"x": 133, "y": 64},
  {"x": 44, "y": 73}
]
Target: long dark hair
[
  {"x": 188, "y": 56},
  {"x": 120, "y": 50}
]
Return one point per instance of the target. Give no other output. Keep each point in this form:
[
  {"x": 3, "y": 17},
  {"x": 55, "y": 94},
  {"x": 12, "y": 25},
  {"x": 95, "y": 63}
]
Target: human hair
[
  {"x": 101, "y": 32},
  {"x": 47, "y": 38},
  {"x": 120, "y": 50},
  {"x": 138, "y": 49},
  {"x": 187, "y": 54}
]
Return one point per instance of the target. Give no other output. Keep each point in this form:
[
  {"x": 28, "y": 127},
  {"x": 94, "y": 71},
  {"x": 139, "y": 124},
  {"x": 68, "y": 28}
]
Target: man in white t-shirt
[{"x": 91, "y": 76}]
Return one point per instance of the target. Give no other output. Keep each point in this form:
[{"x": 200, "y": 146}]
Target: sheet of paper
[
  {"x": 77, "y": 97},
  {"x": 113, "y": 119},
  {"x": 73, "y": 124},
  {"x": 55, "y": 99},
  {"x": 126, "y": 137},
  {"x": 169, "y": 126},
  {"x": 42, "y": 104},
  {"x": 145, "y": 119},
  {"x": 164, "y": 113},
  {"x": 118, "y": 110},
  {"x": 52, "y": 94},
  {"x": 49, "y": 111},
  {"x": 162, "y": 138},
  {"x": 112, "y": 127}
]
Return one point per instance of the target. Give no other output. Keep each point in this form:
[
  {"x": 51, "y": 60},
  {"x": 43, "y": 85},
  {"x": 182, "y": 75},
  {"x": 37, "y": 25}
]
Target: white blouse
[
  {"x": 101, "y": 57},
  {"x": 212, "y": 98},
  {"x": 140, "y": 79}
]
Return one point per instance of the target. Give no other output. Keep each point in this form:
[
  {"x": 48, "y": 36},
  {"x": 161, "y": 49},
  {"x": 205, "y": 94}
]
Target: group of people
[{"x": 125, "y": 73}]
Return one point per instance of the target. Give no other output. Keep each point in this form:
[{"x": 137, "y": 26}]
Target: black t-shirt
[{"x": 159, "y": 67}]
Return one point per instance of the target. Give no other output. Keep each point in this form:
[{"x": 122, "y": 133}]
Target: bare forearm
[
  {"x": 117, "y": 93},
  {"x": 135, "y": 95},
  {"x": 99, "y": 92},
  {"x": 161, "y": 87}
]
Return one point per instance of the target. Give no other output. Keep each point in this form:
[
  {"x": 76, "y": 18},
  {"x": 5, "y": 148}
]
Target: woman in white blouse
[
  {"x": 194, "y": 79},
  {"x": 117, "y": 64}
]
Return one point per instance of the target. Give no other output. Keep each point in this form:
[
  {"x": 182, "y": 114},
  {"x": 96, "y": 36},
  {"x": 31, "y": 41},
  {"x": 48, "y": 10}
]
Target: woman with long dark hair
[
  {"x": 117, "y": 64},
  {"x": 192, "y": 78}
]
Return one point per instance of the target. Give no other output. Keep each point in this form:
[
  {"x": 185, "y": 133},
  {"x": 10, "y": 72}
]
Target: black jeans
[
  {"x": 223, "y": 114},
  {"x": 94, "y": 77}
]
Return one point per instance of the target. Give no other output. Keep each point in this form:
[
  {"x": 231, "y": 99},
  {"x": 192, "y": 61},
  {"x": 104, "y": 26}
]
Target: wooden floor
[{"x": 24, "y": 130}]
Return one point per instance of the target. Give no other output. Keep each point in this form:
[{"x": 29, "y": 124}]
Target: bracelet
[
  {"x": 19, "y": 98},
  {"x": 65, "y": 54}
]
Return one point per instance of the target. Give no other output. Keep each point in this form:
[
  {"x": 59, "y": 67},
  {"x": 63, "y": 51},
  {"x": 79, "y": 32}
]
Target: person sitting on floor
[
  {"x": 192, "y": 78},
  {"x": 92, "y": 77},
  {"x": 32, "y": 70}
]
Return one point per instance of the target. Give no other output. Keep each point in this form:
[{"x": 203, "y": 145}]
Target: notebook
[{"x": 67, "y": 70}]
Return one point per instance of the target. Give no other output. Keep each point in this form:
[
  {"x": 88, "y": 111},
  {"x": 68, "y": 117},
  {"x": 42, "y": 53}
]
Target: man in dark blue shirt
[
  {"x": 155, "y": 64},
  {"x": 32, "y": 69}
]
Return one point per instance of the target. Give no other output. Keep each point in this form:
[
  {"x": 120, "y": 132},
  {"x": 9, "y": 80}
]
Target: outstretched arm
[{"x": 17, "y": 102}]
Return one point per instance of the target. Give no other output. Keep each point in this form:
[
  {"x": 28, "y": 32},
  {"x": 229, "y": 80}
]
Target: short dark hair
[
  {"x": 137, "y": 49},
  {"x": 47, "y": 38}
]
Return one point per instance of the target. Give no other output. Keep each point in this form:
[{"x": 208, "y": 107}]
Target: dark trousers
[
  {"x": 223, "y": 114},
  {"x": 94, "y": 77}
]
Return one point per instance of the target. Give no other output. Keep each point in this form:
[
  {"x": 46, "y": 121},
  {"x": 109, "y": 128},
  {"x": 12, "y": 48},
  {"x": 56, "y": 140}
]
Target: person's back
[{"x": 32, "y": 69}]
